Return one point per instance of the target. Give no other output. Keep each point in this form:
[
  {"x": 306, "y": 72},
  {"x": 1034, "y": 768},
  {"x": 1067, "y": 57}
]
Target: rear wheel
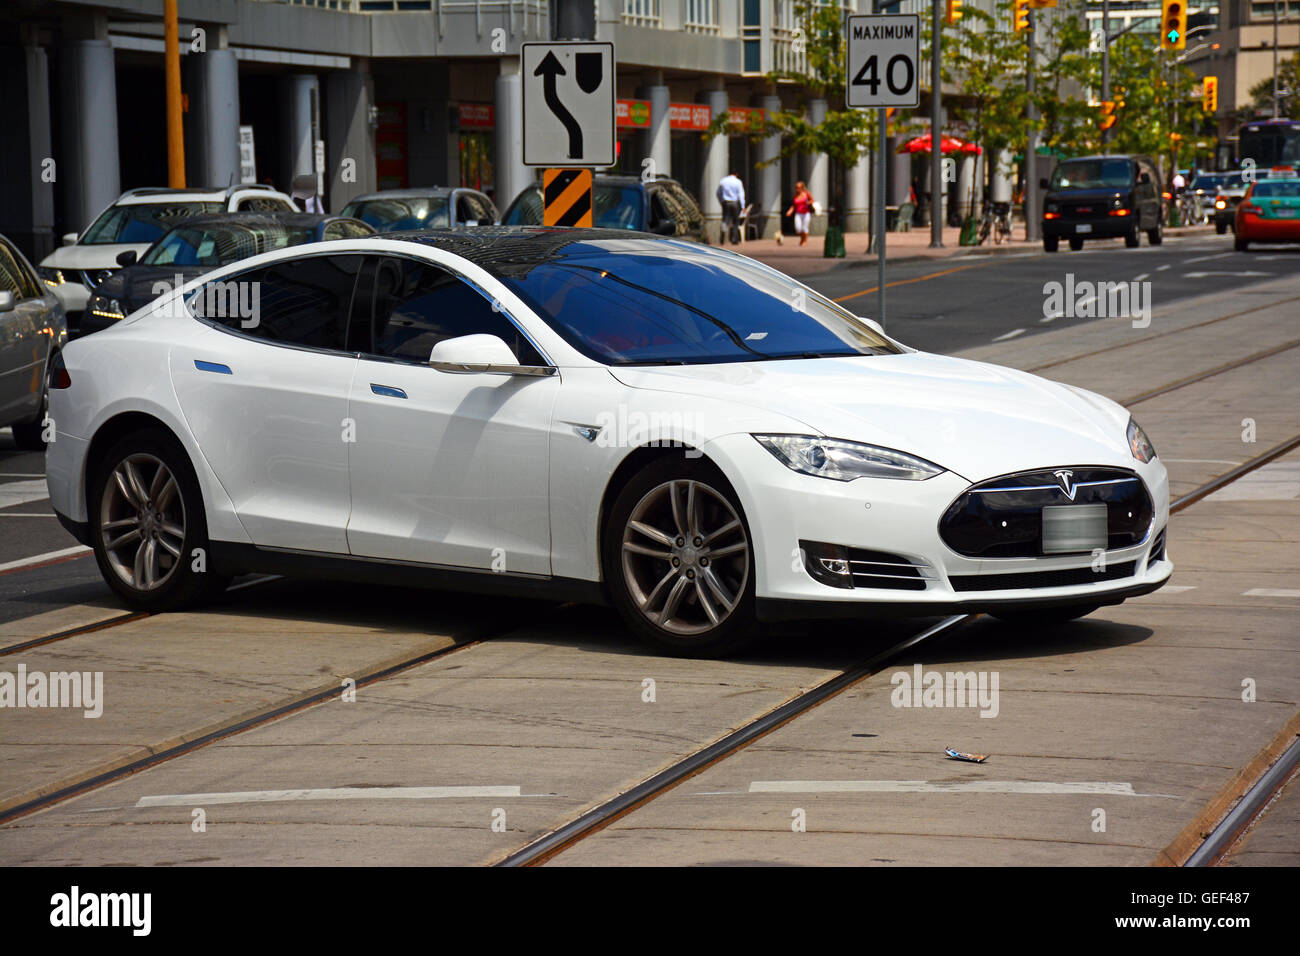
[
  {"x": 1240, "y": 244},
  {"x": 148, "y": 528},
  {"x": 679, "y": 559},
  {"x": 1220, "y": 227},
  {"x": 1155, "y": 236},
  {"x": 1076, "y": 244},
  {"x": 1044, "y": 617},
  {"x": 1051, "y": 243},
  {"x": 1133, "y": 239}
]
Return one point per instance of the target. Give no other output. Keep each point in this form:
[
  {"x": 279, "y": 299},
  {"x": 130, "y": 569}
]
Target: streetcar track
[{"x": 1210, "y": 373}]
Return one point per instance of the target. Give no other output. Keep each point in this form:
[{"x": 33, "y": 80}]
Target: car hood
[
  {"x": 974, "y": 419},
  {"x": 91, "y": 257}
]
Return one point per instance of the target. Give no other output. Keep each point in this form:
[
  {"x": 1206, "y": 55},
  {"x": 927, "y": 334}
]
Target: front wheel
[
  {"x": 148, "y": 527},
  {"x": 1050, "y": 244},
  {"x": 1220, "y": 227},
  {"x": 1157, "y": 235},
  {"x": 1240, "y": 244},
  {"x": 679, "y": 560},
  {"x": 1044, "y": 617}
]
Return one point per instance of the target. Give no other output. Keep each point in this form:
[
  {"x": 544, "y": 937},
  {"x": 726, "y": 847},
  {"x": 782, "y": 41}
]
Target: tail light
[
  {"x": 1167, "y": 195},
  {"x": 1051, "y": 215},
  {"x": 59, "y": 377},
  {"x": 1120, "y": 212}
]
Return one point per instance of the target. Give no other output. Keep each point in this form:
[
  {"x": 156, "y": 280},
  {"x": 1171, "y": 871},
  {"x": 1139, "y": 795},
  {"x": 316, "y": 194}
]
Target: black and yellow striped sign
[{"x": 566, "y": 196}]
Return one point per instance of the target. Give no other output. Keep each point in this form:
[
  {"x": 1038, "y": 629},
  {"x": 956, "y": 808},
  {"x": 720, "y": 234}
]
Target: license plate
[
  {"x": 1083, "y": 227},
  {"x": 1284, "y": 213},
  {"x": 1071, "y": 528}
]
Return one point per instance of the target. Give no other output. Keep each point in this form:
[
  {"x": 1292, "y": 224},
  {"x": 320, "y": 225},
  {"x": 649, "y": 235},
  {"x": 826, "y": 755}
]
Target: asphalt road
[{"x": 945, "y": 305}]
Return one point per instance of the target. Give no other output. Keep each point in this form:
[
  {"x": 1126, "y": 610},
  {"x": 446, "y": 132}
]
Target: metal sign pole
[{"x": 879, "y": 213}]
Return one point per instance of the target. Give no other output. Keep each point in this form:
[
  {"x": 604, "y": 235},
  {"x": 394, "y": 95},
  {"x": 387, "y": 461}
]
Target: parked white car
[
  {"x": 592, "y": 415},
  {"x": 133, "y": 223}
]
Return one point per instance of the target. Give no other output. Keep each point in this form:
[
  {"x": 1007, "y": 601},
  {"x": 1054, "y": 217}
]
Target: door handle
[
  {"x": 217, "y": 367},
  {"x": 388, "y": 391}
]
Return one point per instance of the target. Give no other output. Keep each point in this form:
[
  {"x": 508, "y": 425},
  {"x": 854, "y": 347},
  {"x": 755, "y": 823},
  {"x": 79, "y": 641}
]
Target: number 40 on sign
[{"x": 883, "y": 57}]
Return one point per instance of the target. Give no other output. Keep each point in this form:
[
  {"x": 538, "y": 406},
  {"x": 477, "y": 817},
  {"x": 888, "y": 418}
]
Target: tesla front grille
[
  {"x": 1003, "y": 517},
  {"x": 1041, "y": 579}
]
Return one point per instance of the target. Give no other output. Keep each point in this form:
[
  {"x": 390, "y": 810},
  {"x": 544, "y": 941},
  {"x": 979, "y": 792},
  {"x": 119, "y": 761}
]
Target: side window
[
  {"x": 466, "y": 210},
  {"x": 262, "y": 204},
  {"x": 416, "y": 305},
  {"x": 483, "y": 209},
  {"x": 13, "y": 278},
  {"x": 660, "y": 208},
  {"x": 295, "y": 302}
]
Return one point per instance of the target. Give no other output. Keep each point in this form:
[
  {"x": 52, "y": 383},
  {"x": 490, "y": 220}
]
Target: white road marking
[
  {"x": 1272, "y": 592},
  {"x": 1221, "y": 255},
  {"x": 1053, "y": 317},
  {"x": 949, "y": 786},
  {"x": 21, "y": 492},
  {"x": 43, "y": 558},
  {"x": 1010, "y": 335},
  {"x": 27, "y": 514},
  {"x": 1161, "y": 268},
  {"x": 1276, "y": 481},
  {"x": 1242, "y": 273},
  {"x": 327, "y": 793},
  {"x": 16, "y": 474},
  {"x": 1145, "y": 275}
]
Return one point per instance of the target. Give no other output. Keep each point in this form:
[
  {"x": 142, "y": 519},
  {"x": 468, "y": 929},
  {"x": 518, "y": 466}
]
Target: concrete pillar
[
  {"x": 659, "y": 136},
  {"x": 717, "y": 155},
  {"x": 89, "y": 171},
  {"x": 512, "y": 176},
  {"x": 1003, "y": 175},
  {"x": 27, "y": 174},
  {"x": 302, "y": 126},
  {"x": 212, "y": 152},
  {"x": 966, "y": 187},
  {"x": 349, "y": 136},
  {"x": 899, "y": 175},
  {"x": 819, "y": 165},
  {"x": 767, "y": 189},
  {"x": 857, "y": 212}
]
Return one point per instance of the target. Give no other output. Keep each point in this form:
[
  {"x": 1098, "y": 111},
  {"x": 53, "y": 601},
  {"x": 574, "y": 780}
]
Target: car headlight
[
  {"x": 105, "y": 307},
  {"x": 52, "y": 277},
  {"x": 1138, "y": 443},
  {"x": 845, "y": 460}
]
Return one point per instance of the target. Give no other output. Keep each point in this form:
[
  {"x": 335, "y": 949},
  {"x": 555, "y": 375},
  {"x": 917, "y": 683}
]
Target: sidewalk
[{"x": 796, "y": 260}]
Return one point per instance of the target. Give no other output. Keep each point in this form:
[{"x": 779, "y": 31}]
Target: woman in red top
[{"x": 801, "y": 208}]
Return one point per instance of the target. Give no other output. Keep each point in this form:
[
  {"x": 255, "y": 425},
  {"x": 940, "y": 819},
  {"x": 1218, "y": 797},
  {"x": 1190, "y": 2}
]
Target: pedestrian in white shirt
[{"x": 731, "y": 193}]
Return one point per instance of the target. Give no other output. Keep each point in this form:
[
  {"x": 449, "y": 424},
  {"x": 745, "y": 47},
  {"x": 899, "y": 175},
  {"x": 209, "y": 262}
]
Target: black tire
[
  {"x": 179, "y": 584},
  {"x": 29, "y": 435},
  {"x": 1044, "y": 617},
  {"x": 1051, "y": 244},
  {"x": 629, "y": 574},
  {"x": 1240, "y": 244},
  {"x": 1220, "y": 227},
  {"x": 1155, "y": 236},
  {"x": 1075, "y": 244},
  {"x": 1133, "y": 238}
]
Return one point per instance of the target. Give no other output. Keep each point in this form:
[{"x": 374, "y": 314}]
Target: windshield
[
  {"x": 647, "y": 302},
  {"x": 1284, "y": 188},
  {"x": 1208, "y": 181},
  {"x": 392, "y": 215},
  {"x": 219, "y": 245},
  {"x": 614, "y": 207},
  {"x": 1093, "y": 174},
  {"x": 143, "y": 222}
]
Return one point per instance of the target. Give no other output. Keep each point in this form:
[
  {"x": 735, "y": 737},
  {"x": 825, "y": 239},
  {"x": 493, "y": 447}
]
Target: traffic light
[
  {"x": 1021, "y": 15},
  {"x": 1108, "y": 117},
  {"x": 1173, "y": 25},
  {"x": 954, "y": 12},
  {"x": 1210, "y": 94}
]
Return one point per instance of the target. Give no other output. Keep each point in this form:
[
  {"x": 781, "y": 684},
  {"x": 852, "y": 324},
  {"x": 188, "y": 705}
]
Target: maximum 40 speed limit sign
[{"x": 884, "y": 60}]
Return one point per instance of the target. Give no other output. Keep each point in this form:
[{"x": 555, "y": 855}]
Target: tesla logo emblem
[{"x": 1066, "y": 479}]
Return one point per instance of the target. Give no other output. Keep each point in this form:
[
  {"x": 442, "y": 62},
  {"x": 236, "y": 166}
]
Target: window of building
[
  {"x": 642, "y": 13},
  {"x": 701, "y": 16}
]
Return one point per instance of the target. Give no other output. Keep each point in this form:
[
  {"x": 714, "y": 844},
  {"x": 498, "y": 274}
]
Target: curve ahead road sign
[
  {"x": 884, "y": 61},
  {"x": 568, "y": 113}
]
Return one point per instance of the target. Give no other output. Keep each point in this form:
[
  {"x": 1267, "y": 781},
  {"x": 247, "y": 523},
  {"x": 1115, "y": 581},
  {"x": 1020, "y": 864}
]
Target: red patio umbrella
[{"x": 947, "y": 144}]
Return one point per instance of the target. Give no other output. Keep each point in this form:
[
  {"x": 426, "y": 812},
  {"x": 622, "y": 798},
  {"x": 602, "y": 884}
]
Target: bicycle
[
  {"x": 1191, "y": 212},
  {"x": 996, "y": 221}
]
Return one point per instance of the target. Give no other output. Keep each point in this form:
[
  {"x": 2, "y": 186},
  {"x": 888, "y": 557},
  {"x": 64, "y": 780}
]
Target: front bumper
[
  {"x": 1112, "y": 227},
  {"x": 901, "y": 520}
]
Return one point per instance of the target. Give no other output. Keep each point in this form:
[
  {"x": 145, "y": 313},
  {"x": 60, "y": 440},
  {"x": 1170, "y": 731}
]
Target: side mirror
[
  {"x": 481, "y": 353},
  {"x": 1044, "y": 183},
  {"x": 1144, "y": 178},
  {"x": 7, "y": 301},
  {"x": 69, "y": 238},
  {"x": 873, "y": 323},
  {"x": 126, "y": 258}
]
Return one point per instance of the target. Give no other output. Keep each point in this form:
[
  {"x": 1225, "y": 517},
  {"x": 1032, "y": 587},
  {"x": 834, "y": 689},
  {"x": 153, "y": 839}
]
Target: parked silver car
[
  {"x": 32, "y": 328},
  {"x": 395, "y": 210}
]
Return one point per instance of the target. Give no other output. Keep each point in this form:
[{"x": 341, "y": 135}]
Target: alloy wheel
[
  {"x": 685, "y": 557},
  {"x": 142, "y": 521}
]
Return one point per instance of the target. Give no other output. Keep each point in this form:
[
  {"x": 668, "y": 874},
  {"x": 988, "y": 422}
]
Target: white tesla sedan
[{"x": 594, "y": 415}]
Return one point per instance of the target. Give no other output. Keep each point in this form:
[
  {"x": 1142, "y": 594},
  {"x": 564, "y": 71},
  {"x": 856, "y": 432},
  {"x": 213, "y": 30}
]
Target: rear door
[{"x": 264, "y": 389}]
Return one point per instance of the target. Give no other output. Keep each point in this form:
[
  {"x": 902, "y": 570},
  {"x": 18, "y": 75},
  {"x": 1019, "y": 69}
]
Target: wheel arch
[{"x": 116, "y": 428}]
